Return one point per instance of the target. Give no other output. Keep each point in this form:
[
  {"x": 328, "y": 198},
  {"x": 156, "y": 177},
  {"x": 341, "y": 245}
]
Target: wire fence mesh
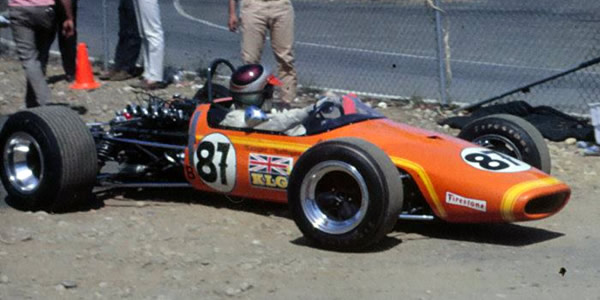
[
  {"x": 392, "y": 48},
  {"x": 383, "y": 47},
  {"x": 498, "y": 46}
]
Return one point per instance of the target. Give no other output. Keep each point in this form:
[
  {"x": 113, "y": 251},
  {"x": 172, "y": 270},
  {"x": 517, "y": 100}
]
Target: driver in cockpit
[{"x": 252, "y": 89}]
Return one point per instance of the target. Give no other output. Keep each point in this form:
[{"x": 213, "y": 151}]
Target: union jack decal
[{"x": 270, "y": 164}]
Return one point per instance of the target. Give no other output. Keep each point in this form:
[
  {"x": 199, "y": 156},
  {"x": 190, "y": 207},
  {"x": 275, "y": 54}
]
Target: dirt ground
[{"x": 187, "y": 245}]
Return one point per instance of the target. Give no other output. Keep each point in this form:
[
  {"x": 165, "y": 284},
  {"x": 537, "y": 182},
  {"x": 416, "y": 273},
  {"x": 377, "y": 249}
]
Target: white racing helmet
[{"x": 251, "y": 84}]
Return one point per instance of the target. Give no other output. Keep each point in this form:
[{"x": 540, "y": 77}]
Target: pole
[
  {"x": 441, "y": 52},
  {"x": 105, "y": 34}
]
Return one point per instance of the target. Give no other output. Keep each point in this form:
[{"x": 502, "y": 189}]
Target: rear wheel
[
  {"x": 509, "y": 135},
  {"x": 49, "y": 159},
  {"x": 345, "y": 194}
]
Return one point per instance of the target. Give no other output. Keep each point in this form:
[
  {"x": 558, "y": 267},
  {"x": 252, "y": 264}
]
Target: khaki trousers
[{"x": 276, "y": 16}]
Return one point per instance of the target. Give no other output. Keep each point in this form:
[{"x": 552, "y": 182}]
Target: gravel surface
[{"x": 187, "y": 245}]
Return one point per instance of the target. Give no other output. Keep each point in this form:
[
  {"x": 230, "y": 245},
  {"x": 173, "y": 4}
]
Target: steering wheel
[{"x": 328, "y": 110}]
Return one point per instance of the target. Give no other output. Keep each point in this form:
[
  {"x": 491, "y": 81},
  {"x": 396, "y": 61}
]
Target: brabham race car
[{"x": 348, "y": 178}]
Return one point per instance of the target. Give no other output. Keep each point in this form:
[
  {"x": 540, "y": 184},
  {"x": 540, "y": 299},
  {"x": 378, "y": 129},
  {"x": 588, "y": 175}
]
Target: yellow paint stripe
[
  {"x": 407, "y": 164},
  {"x": 511, "y": 195},
  {"x": 247, "y": 141},
  {"x": 269, "y": 144}
]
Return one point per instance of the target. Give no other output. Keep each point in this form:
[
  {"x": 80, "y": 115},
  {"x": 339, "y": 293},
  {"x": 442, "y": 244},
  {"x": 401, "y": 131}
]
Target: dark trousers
[
  {"x": 33, "y": 30},
  {"x": 128, "y": 47},
  {"x": 67, "y": 45}
]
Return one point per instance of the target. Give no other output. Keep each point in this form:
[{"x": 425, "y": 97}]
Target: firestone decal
[
  {"x": 269, "y": 171},
  {"x": 455, "y": 199},
  {"x": 490, "y": 160},
  {"x": 215, "y": 162}
]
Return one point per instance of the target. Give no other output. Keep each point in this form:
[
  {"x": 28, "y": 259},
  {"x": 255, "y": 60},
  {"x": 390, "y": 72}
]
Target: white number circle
[
  {"x": 490, "y": 160},
  {"x": 215, "y": 162}
]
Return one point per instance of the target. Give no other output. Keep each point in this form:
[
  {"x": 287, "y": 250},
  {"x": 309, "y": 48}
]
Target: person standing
[
  {"x": 67, "y": 44},
  {"x": 33, "y": 28},
  {"x": 153, "y": 45},
  {"x": 277, "y": 17},
  {"x": 128, "y": 46}
]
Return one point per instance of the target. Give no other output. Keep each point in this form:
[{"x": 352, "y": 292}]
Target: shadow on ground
[
  {"x": 82, "y": 110},
  {"x": 191, "y": 196},
  {"x": 498, "y": 234}
]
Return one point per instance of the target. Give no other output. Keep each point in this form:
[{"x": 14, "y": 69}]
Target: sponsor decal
[
  {"x": 455, "y": 199},
  {"x": 269, "y": 171},
  {"x": 490, "y": 160}
]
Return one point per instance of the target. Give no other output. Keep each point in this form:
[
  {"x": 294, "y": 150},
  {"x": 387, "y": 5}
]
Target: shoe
[
  {"x": 107, "y": 75},
  {"x": 148, "y": 85},
  {"x": 69, "y": 78},
  {"x": 120, "y": 76}
]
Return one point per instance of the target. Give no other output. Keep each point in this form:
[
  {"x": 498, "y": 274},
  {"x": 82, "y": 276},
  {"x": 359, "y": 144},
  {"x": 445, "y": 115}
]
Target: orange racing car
[{"x": 347, "y": 178}]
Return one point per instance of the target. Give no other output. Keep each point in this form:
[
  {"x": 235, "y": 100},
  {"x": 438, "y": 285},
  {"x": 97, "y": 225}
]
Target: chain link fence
[
  {"x": 499, "y": 46},
  {"x": 381, "y": 48},
  {"x": 472, "y": 51},
  {"x": 449, "y": 51}
]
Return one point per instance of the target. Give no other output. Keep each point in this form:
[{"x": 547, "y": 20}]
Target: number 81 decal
[
  {"x": 215, "y": 162},
  {"x": 489, "y": 160}
]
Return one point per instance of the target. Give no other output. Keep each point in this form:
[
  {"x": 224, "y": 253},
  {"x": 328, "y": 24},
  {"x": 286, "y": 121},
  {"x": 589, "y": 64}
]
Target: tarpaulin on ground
[{"x": 552, "y": 123}]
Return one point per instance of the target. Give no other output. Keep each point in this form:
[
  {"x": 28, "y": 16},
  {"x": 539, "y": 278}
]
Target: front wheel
[
  {"x": 49, "y": 159},
  {"x": 509, "y": 135},
  {"x": 345, "y": 194}
]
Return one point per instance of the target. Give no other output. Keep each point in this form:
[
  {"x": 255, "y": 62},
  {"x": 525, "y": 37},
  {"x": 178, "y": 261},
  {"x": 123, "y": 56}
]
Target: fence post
[
  {"x": 441, "y": 52},
  {"x": 105, "y": 34}
]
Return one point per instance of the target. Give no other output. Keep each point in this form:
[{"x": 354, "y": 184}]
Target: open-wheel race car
[{"x": 348, "y": 175}]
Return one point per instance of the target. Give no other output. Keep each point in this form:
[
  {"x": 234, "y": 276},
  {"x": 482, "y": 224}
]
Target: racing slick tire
[
  {"x": 345, "y": 194},
  {"x": 510, "y": 135},
  {"x": 49, "y": 159}
]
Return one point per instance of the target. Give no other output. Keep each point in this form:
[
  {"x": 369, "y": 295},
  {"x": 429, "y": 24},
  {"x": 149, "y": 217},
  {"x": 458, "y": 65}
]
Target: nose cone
[{"x": 534, "y": 200}]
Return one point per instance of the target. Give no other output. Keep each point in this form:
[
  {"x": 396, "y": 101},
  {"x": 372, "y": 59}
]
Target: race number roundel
[
  {"x": 215, "y": 162},
  {"x": 490, "y": 160}
]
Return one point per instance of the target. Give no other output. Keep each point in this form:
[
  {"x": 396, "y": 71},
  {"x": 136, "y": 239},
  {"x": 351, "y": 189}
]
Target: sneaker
[{"x": 148, "y": 85}]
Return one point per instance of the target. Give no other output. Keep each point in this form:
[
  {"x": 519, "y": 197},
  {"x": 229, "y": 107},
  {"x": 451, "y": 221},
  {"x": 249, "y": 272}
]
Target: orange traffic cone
[{"x": 84, "y": 78}]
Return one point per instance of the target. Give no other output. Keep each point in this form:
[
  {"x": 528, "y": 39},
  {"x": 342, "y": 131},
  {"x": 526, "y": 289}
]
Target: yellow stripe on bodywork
[
  {"x": 407, "y": 164},
  {"x": 269, "y": 144},
  {"x": 266, "y": 143},
  {"x": 511, "y": 195}
]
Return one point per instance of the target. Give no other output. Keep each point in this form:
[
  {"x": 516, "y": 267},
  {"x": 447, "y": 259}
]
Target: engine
[
  {"x": 156, "y": 112},
  {"x": 144, "y": 143}
]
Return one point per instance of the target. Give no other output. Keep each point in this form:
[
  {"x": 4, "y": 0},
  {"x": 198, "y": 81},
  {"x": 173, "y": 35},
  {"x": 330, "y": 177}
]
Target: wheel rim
[
  {"x": 23, "y": 162},
  {"x": 334, "y": 197},
  {"x": 500, "y": 144}
]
